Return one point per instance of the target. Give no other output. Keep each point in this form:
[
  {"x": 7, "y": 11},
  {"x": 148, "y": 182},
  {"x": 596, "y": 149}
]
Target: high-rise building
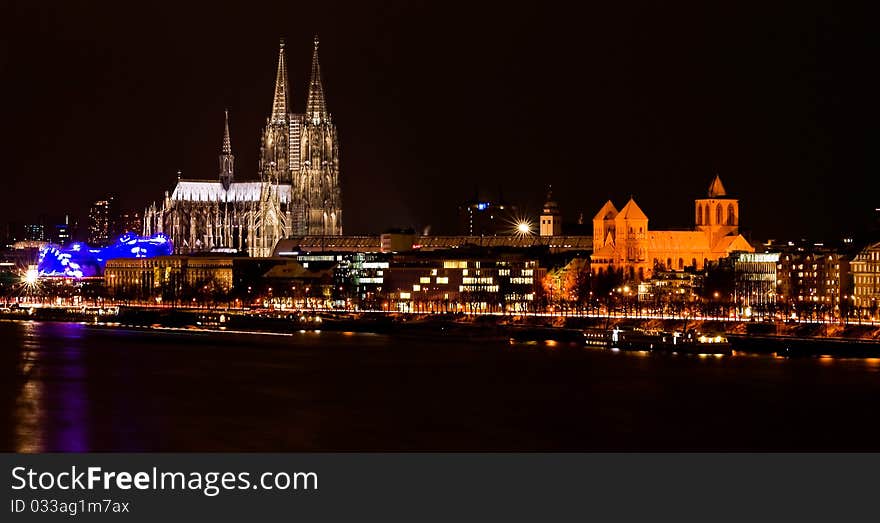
[
  {"x": 480, "y": 217},
  {"x": 34, "y": 232},
  {"x": 62, "y": 233},
  {"x": 297, "y": 192},
  {"x": 101, "y": 221},
  {"x": 129, "y": 221}
]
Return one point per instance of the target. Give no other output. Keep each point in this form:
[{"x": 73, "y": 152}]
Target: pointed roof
[
  {"x": 227, "y": 143},
  {"x": 716, "y": 189},
  {"x": 279, "y": 102},
  {"x": 550, "y": 206},
  {"x": 607, "y": 211},
  {"x": 316, "y": 108},
  {"x": 631, "y": 211}
]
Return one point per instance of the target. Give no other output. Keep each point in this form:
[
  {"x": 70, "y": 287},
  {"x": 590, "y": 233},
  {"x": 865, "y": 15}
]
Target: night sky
[{"x": 436, "y": 100}]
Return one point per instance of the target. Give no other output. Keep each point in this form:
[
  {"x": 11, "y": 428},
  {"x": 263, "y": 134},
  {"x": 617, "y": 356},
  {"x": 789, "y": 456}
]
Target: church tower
[
  {"x": 551, "y": 218},
  {"x": 274, "y": 150},
  {"x": 718, "y": 214},
  {"x": 227, "y": 159},
  {"x": 631, "y": 225},
  {"x": 316, "y": 189}
]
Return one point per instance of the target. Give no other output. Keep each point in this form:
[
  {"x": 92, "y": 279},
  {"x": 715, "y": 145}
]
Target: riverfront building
[
  {"x": 865, "y": 267},
  {"x": 812, "y": 276},
  {"x": 622, "y": 241}
]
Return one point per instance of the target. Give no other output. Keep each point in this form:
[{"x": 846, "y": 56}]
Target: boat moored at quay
[{"x": 687, "y": 342}]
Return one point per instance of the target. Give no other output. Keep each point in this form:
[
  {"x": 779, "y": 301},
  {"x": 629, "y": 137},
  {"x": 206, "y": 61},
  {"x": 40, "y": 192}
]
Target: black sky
[{"x": 434, "y": 99}]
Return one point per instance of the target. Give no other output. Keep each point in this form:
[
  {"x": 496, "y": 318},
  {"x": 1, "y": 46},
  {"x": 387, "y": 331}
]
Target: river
[{"x": 75, "y": 387}]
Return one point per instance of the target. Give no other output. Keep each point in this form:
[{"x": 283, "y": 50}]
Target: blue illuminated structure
[{"x": 78, "y": 260}]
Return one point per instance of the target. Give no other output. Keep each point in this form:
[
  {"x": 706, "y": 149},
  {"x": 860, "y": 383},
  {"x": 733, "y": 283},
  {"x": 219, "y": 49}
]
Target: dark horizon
[{"x": 432, "y": 102}]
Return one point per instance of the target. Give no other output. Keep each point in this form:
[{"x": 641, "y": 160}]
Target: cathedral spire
[
  {"x": 227, "y": 143},
  {"x": 279, "y": 103},
  {"x": 316, "y": 109},
  {"x": 227, "y": 159}
]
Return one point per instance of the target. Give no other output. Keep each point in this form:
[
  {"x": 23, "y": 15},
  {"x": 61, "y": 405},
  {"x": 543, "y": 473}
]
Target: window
[
  {"x": 731, "y": 214},
  {"x": 718, "y": 214},
  {"x": 680, "y": 264}
]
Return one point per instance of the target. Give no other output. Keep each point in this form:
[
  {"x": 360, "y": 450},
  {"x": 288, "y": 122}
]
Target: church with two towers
[{"x": 297, "y": 192}]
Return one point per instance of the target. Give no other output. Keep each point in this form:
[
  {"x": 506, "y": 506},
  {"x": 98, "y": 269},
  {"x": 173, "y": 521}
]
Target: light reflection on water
[
  {"x": 78, "y": 387},
  {"x": 52, "y": 391}
]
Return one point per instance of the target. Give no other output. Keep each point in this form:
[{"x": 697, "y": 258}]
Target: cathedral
[
  {"x": 622, "y": 241},
  {"x": 297, "y": 193}
]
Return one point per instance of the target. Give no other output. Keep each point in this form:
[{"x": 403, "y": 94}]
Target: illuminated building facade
[
  {"x": 754, "y": 277},
  {"x": 79, "y": 260},
  {"x": 297, "y": 193},
  {"x": 865, "y": 267},
  {"x": 810, "y": 274},
  {"x": 457, "y": 281},
  {"x": 101, "y": 225},
  {"x": 622, "y": 241}
]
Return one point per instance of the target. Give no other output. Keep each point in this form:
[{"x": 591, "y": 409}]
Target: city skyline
[{"x": 428, "y": 114}]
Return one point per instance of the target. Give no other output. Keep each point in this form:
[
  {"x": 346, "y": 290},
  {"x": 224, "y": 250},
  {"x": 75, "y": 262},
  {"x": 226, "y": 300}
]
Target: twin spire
[
  {"x": 316, "y": 107},
  {"x": 279, "y": 103}
]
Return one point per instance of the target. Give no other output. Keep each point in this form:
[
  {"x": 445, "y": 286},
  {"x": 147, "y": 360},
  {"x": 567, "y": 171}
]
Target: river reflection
[
  {"x": 50, "y": 410},
  {"x": 72, "y": 387}
]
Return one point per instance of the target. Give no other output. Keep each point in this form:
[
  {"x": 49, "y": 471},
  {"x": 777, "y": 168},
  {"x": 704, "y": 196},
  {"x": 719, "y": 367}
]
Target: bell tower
[
  {"x": 551, "y": 218},
  {"x": 718, "y": 214}
]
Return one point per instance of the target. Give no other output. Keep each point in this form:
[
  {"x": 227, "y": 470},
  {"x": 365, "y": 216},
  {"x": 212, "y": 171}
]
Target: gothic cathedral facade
[{"x": 297, "y": 193}]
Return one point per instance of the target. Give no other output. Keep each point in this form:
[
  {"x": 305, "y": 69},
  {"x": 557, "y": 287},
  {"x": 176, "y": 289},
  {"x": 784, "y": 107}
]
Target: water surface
[{"x": 73, "y": 387}]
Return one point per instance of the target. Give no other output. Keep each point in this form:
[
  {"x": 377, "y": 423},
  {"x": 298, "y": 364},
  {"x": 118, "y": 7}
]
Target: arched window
[
  {"x": 706, "y": 215},
  {"x": 731, "y": 215},
  {"x": 680, "y": 264},
  {"x": 641, "y": 273},
  {"x": 719, "y": 214},
  {"x": 705, "y": 262},
  {"x": 694, "y": 263},
  {"x": 669, "y": 263},
  {"x": 699, "y": 218}
]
